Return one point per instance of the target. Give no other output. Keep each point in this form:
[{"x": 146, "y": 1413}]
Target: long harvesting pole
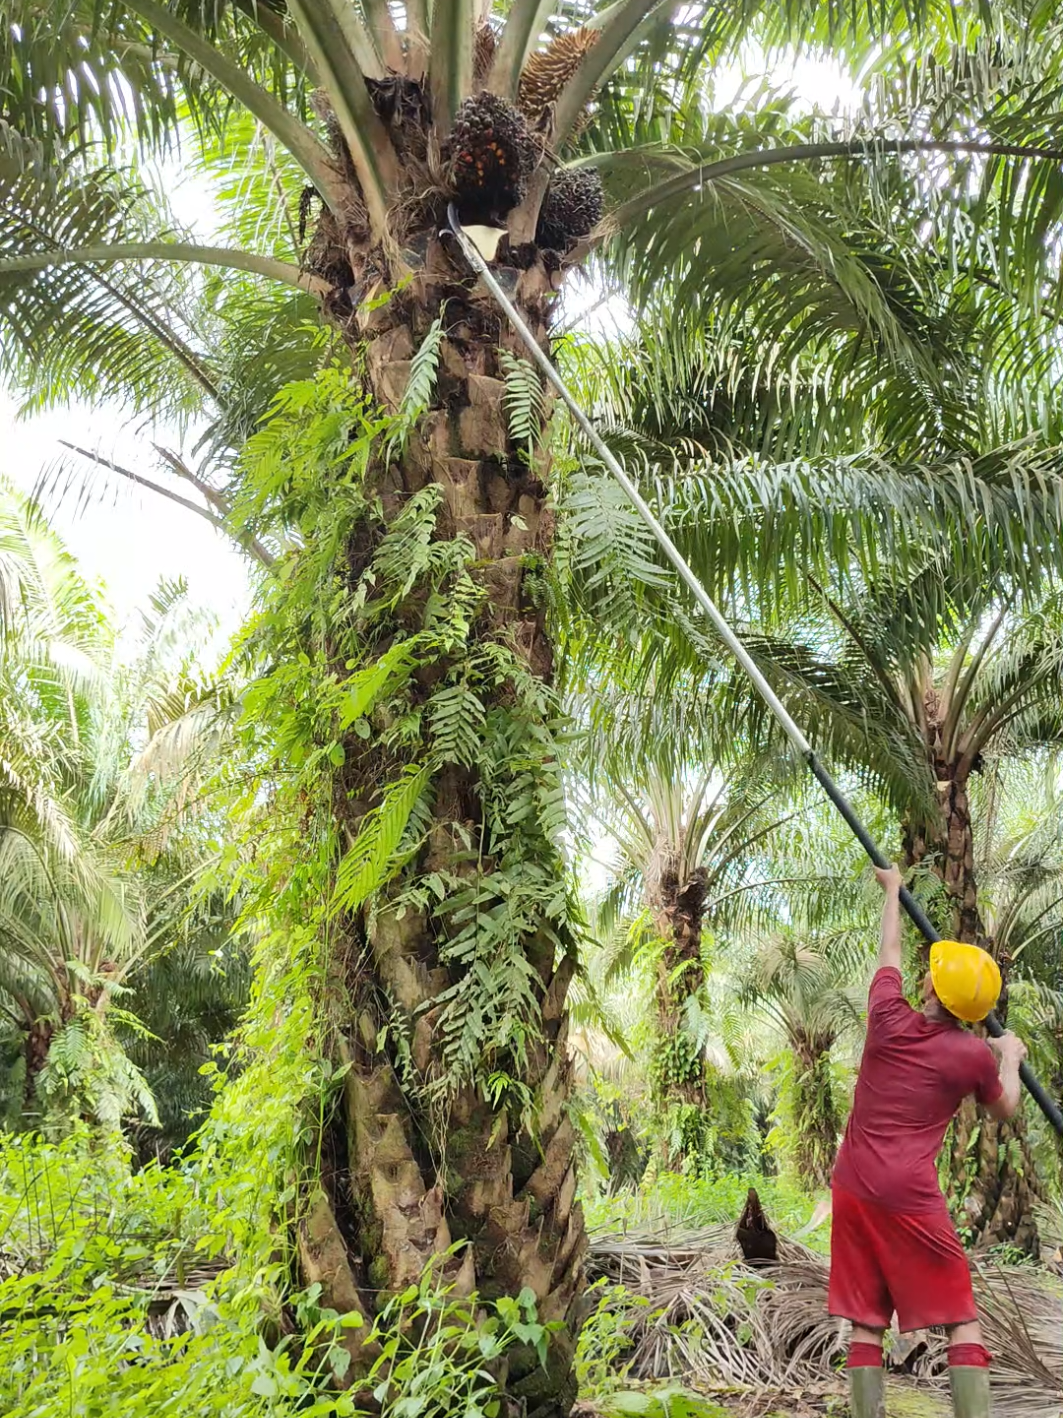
[{"x": 1047, "y": 1105}]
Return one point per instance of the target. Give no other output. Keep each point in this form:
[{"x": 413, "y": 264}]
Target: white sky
[
  {"x": 125, "y": 536},
  {"x": 128, "y": 538}
]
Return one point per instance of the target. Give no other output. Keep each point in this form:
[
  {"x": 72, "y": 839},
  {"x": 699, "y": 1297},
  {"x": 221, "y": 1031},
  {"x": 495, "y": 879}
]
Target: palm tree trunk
[
  {"x": 992, "y": 1185},
  {"x": 915, "y": 845},
  {"x": 990, "y": 1178},
  {"x": 35, "y": 1051},
  {"x": 679, "y": 1066},
  {"x": 957, "y": 859},
  {"x": 815, "y": 1111},
  {"x": 416, "y": 1161}
]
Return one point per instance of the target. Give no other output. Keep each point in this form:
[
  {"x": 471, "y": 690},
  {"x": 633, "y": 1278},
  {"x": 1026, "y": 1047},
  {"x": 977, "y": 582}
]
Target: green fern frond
[
  {"x": 456, "y": 716},
  {"x": 523, "y": 399},
  {"x": 423, "y": 369},
  {"x": 370, "y": 862},
  {"x": 420, "y": 384}
]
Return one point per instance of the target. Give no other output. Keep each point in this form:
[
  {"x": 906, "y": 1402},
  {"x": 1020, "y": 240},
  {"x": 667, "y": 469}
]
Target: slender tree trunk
[
  {"x": 679, "y": 1065},
  {"x": 957, "y": 858},
  {"x": 990, "y": 1178},
  {"x": 627, "y": 1157},
  {"x": 418, "y": 1161},
  {"x": 815, "y": 1111},
  {"x": 35, "y": 1051}
]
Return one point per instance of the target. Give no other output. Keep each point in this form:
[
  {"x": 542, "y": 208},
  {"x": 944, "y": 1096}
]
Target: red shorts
[{"x": 881, "y": 1261}]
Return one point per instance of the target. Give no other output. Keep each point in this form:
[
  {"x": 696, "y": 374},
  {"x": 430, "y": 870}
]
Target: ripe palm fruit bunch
[
  {"x": 571, "y": 208},
  {"x": 492, "y": 155}
]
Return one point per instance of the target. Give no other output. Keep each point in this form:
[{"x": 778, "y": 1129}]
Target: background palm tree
[
  {"x": 1018, "y": 865},
  {"x": 101, "y": 754},
  {"x": 157, "y": 754},
  {"x": 685, "y": 854},
  {"x": 68, "y": 924},
  {"x": 69, "y": 940},
  {"x": 813, "y": 989}
]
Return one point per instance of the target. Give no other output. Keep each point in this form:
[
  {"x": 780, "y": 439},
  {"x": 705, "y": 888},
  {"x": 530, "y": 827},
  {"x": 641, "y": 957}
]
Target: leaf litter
[{"x": 762, "y": 1338}]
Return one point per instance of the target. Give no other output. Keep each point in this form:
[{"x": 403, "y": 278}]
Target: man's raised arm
[{"x": 889, "y": 950}]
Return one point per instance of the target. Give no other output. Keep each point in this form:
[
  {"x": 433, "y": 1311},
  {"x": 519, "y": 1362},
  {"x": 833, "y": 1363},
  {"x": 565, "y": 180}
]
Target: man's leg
[
  {"x": 930, "y": 1280},
  {"x": 968, "y": 1371},
  {"x": 867, "y": 1394},
  {"x": 857, "y": 1287}
]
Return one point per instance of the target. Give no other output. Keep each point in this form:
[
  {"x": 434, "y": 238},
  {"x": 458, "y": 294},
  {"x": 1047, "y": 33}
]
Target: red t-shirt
[{"x": 913, "y": 1076}]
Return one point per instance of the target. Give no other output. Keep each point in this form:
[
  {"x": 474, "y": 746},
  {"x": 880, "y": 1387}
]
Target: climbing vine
[{"x": 375, "y": 667}]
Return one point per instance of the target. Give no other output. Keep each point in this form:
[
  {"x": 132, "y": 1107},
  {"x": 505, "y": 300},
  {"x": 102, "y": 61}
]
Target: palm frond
[
  {"x": 758, "y": 528},
  {"x": 326, "y": 29},
  {"x": 99, "y": 331}
]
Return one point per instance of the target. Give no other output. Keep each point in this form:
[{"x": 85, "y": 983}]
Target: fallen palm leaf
[{"x": 711, "y": 1320}]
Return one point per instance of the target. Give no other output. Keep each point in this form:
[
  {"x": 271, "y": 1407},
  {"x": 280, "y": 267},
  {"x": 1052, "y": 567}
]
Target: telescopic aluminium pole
[{"x": 1047, "y": 1105}]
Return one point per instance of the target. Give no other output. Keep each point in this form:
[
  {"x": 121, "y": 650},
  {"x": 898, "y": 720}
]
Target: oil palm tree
[
  {"x": 68, "y": 923},
  {"x": 68, "y": 940},
  {"x": 799, "y": 963},
  {"x": 938, "y": 693},
  {"x": 701, "y": 857},
  {"x": 1020, "y": 854},
  {"x": 387, "y": 116},
  {"x": 686, "y": 854},
  {"x": 681, "y": 841},
  {"x": 1018, "y": 842},
  {"x": 81, "y": 730},
  {"x": 811, "y": 987},
  {"x": 157, "y": 743}
]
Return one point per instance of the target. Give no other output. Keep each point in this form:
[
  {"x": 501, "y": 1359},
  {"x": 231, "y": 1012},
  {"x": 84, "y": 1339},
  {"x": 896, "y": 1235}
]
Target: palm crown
[{"x": 521, "y": 115}]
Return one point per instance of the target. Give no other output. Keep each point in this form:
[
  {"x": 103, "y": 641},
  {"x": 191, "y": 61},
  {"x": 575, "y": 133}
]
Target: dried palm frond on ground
[
  {"x": 1049, "y": 1218},
  {"x": 708, "y": 1318}
]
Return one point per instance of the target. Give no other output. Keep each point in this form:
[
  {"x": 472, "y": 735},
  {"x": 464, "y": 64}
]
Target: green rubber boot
[
  {"x": 867, "y": 1393},
  {"x": 970, "y": 1391}
]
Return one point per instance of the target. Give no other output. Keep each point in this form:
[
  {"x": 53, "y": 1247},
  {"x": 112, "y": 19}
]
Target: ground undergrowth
[
  {"x": 903, "y": 1400},
  {"x": 119, "y": 1292}
]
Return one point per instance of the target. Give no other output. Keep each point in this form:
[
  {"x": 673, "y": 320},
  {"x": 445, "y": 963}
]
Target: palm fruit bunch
[
  {"x": 492, "y": 155},
  {"x": 571, "y": 208},
  {"x": 547, "y": 72}
]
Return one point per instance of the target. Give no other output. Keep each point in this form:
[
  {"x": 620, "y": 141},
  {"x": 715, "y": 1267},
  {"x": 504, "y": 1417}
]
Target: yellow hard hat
[{"x": 966, "y": 979}]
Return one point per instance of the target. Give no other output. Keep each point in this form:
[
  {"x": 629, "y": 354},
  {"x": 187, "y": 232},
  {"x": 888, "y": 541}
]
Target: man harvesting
[{"x": 893, "y": 1244}]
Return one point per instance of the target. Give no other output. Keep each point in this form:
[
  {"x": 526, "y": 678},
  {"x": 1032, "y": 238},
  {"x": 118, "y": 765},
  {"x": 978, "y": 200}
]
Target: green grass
[
  {"x": 902, "y": 1401},
  {"x": 671, "y": 1402},
  {"x": 907, "y": 1401},
  {"x": 669, "y": 1197}
]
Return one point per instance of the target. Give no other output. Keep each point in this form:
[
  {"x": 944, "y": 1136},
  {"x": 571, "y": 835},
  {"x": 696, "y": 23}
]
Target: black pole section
[
  {"x": 719, "y": 621},
  {"x": 1048, "y": 1105}
]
